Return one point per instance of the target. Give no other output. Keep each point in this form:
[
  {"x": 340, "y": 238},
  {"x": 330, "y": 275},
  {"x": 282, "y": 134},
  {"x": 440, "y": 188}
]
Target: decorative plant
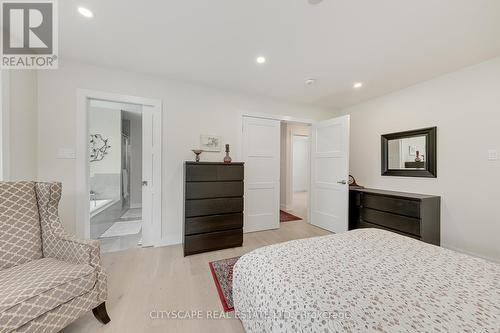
[{"x": 98, "y": 147}]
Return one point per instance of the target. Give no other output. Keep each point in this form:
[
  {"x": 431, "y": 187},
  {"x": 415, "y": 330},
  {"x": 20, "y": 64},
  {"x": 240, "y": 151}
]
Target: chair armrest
[{"x": 71, "y": 249}]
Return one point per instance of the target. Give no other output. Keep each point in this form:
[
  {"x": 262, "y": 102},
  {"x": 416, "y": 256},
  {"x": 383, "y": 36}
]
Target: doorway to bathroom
[
  {"x": 121, "y": 201},
  {"x": 115, "y": 174}
]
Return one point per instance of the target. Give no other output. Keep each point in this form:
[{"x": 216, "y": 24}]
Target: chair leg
[{"x": 101, "y": 314}]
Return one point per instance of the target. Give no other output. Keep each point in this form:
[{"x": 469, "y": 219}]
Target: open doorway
[
  {"x": 115, "y": 174},
  {"x": 267, "y": 144},
  {"x": 294, "y": 170},
  {"x": 118, "y": 159}
]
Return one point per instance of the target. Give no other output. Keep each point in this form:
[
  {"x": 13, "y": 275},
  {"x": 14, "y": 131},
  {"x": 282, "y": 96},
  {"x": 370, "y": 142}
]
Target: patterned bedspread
[{"x": 365, "y": 280}]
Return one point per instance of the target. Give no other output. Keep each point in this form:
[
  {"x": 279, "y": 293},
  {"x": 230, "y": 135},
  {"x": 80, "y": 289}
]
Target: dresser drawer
[
  {"x": 211, "y": 173},
  {"x": 202, "y": 190},
  {"x": 212, "y": 241},
  {"x": 397, "y": 222},
  {"x": 391, "y": 204},
  {"x": 364, "y": 224},
  {"x": 198, "y": 225},
  {"x": 203, "y": 207}
]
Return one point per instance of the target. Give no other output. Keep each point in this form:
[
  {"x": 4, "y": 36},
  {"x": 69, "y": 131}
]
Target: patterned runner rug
[{"x": 222, "y": 272}]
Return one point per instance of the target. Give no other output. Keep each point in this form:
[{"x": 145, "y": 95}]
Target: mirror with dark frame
[{"x": 410, "y": 153}]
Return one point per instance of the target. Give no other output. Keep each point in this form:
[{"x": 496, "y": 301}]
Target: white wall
[
  {"x": 283, "y": 166},
  {"x": 188, "y": 111},
  {"x": 465, "y": 107},
  {"x": 23, "y": 129},
  {"x": 107, "y": 123},
  {"x": 136, "y": 162},
  {"x": 288, "y": 130},
  {"x": 4, "y": 123},
  {"x": 300, "y": 163}
]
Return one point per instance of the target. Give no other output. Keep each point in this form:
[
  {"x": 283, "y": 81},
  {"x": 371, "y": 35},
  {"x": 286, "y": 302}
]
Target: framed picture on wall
[
  {"x": 210, "y": 142},
  {"x": 413, "y": 151}
]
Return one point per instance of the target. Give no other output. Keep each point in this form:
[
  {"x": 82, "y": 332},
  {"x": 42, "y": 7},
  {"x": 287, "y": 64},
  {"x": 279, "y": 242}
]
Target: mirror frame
[{"x": 430, "y": 171}]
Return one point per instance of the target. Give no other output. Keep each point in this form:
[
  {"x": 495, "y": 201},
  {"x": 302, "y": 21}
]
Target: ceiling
[{"x": 386, "y": 44}]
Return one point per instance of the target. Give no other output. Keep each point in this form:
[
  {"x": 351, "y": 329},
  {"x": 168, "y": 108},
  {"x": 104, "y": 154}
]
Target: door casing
[{"x": 152, "y": 234}]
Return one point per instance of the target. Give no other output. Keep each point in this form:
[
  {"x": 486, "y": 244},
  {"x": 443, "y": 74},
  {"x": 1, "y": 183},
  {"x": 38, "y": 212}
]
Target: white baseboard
[
  {"x": 450, "y": 247},
  {"x": 169, "y": 240}
]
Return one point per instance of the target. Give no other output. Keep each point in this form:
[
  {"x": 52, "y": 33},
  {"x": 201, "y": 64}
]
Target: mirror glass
[{"x": 407, "y": 153}]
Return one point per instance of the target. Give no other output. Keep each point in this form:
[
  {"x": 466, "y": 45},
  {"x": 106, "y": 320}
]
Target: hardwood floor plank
[{"x": 162, "y": 279}]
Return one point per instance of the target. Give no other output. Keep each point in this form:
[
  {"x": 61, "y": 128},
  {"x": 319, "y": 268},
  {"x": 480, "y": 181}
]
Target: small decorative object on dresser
[
  {"x": 409, "y": 214},
  {"x": 213, "y": 206},
  {"x": 352, "y": 183},
  {"x": 227, "y": 158},
  {"x": 197, "y": 152}
]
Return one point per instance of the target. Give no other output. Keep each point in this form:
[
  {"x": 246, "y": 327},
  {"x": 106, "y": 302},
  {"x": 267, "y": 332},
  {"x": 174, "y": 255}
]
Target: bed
[{"x": 365, "y": 280}]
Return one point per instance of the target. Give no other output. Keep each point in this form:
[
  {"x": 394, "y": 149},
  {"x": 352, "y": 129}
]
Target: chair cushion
[
  {"x": 20, "y": 234},
  {"x": 32, "y": 289}
]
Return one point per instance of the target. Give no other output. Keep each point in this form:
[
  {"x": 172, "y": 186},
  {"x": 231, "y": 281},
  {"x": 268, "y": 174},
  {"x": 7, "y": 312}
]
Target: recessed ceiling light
[
  {"x": 260, "y": 60},
  {"x": 314, "y": 2},
  {"x": 85, "y": 12},
  {"x": 310, "y": 82},
  {"x": 358, "y": 85}
]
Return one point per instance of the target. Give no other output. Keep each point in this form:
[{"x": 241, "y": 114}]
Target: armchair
[{"x": 47, "y": 277}]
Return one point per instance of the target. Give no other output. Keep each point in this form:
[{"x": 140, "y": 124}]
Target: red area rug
[
  {"x": 287, "y": 217},
  {"x": 222, "y": 272}
]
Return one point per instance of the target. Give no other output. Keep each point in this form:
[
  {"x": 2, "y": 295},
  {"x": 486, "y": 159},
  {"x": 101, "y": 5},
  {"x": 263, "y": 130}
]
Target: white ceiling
[{"x": 387, "y": 44}]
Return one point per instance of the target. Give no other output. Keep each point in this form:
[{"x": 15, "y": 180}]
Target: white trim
[
  {"x": 5, "y": 125},
  {"x": 473, "y": 254},
  {"x": 82, "y": 187}
]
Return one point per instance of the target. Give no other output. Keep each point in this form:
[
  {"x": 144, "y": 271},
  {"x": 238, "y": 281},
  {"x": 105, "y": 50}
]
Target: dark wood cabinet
[
  {"x": 213, "y": 206},
  {"x": 410, "y": 214}
]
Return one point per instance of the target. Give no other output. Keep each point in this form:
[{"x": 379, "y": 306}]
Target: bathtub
[{"x": 97, "y": 206}]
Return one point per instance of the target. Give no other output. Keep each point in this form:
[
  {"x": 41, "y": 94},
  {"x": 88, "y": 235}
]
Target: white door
[
  {"x": 261, "y": 153},
  {"x": 329, "y": 197},
  {"x": 151, "y": 175}
]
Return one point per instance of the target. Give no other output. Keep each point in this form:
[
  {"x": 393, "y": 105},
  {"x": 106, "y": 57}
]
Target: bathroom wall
[
  {"x": 135, "y": 139},
  {"x": 105, "y": 175}
]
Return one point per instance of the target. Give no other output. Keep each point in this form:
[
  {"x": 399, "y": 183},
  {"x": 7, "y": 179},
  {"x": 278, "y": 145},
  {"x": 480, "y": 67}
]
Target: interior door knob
[
  {"x": 343, "y": 182},
  {"x": 144, "y": 183}
]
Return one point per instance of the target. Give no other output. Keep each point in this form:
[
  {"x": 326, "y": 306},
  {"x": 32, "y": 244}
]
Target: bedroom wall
[
  {"x": 22, "y": 138},
  {"x": 465, "y": 107},
  {"x": 188, "y": 111}
]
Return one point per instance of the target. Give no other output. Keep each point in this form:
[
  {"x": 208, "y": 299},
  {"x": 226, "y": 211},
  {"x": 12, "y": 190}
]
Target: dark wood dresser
[
  {"x": 410, "y": 214},
  {"x": 213, "y": 206}
]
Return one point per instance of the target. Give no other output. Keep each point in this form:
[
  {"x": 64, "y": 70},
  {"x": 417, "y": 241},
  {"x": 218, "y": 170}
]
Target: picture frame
[
  {"x": 413, "y": 151},
  {"x": 210, "y": 142}
]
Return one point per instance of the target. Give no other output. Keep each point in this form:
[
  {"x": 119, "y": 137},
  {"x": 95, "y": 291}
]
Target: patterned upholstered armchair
[{"x": 47, "y": 278}]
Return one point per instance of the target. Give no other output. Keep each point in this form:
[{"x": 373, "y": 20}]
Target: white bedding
[{"x": 365, "y": 280}]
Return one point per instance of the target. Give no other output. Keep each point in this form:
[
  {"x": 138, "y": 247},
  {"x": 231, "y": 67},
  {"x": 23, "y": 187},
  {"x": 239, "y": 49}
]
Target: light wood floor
[{"x": 162, "y": 279}]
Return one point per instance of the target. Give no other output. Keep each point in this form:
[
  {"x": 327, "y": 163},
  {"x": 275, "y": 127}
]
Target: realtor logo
[{"x": 29, "y": 38}]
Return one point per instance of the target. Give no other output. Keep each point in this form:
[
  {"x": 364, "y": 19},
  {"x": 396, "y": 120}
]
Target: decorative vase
[
  {"x": 418, "y": 158},
  {"x": 197, "y": 152},
  {"x": 227, "y": 158}
]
